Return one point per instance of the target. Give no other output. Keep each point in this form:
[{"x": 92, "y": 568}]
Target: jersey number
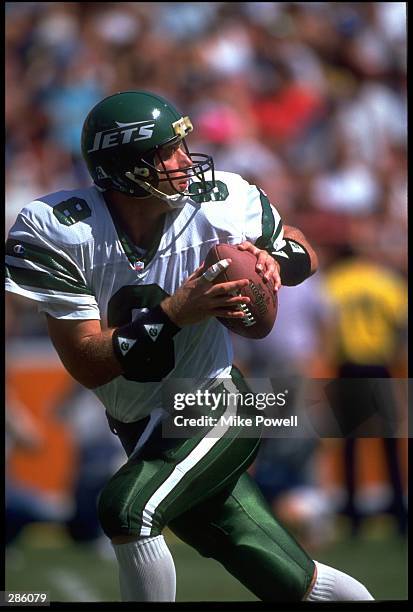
[
  {"x": 125, "y": 301},
  {"x": 71, "y": 211},
  {"x": 218, "y": 194}
]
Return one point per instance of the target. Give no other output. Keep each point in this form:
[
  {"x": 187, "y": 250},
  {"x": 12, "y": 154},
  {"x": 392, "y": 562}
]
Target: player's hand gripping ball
[{"x": 260, "y": 313}]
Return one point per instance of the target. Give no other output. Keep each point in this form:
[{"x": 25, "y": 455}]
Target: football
[{"x": 261, "y": 312}]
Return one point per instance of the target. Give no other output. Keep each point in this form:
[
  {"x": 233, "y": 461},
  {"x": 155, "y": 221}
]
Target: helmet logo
[
  {"x": 100, "y": 173},
  {"x": 127, "y": 132}
]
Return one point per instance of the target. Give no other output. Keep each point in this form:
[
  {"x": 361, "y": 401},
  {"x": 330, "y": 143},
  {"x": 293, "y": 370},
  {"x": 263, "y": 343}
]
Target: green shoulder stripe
[
  {"x": 44, "y": 280},
  {"x": 269, "y": 231},
  {"x": 45, "y": 257}
]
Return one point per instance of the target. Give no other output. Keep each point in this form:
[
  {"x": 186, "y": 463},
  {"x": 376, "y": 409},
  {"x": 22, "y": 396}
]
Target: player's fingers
[
  {"x": 228, "y": 287},
  {"x": 224, "y": 300},
  {"x": 211, "y": 273},
  {"x": 247, "y": 246},
  {"x": 273, "y": 273},
  {"x": 262, "y": 261},
  {"x": 269, "y": 269},
  {"x": 197, "y": 273},
  {"x": 226, "y": 313}
]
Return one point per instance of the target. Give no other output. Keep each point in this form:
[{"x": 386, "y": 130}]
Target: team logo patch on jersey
[
  {"x": 138, "y": 265},
  {"x": 19, "y": 249},
  {"x": 153, "y": 330}
]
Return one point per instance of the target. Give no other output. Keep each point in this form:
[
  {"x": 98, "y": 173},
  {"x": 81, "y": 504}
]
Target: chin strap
[{"x": 177, "y": 200}]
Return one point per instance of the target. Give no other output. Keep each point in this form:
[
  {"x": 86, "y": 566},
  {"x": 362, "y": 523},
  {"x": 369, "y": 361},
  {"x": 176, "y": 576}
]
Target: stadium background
[{"x": 305, "y": 99}]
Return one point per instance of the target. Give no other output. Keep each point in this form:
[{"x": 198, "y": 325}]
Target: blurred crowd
[
  {"x": 305, "y": 99},
  {"x": 308, "y": 100}
]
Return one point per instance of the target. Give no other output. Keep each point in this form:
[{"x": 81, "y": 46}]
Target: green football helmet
[{"x": 121, "y": 140}]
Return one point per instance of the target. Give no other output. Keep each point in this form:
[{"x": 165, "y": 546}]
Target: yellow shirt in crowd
[{"x": 370, "y": 302}]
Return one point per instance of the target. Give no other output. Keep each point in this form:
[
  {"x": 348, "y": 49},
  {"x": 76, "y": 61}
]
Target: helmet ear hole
[
  {"x": 146, "y": 171},
  {"x": 142, "y": 172}
]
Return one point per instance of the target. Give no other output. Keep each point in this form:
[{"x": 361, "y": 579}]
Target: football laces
[{"x": 248, "y": 319}]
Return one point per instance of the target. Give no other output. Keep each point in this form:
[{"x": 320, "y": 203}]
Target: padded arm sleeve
[{"x": 295, "y": 262}]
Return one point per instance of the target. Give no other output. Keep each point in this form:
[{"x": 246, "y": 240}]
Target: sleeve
[
  {"x": 263, "y": 224},
  {"x": 41, "y": 270}
]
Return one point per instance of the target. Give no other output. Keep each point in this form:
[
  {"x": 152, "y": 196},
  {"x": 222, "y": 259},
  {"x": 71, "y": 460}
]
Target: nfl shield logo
[{"x": 138, "y": 266}]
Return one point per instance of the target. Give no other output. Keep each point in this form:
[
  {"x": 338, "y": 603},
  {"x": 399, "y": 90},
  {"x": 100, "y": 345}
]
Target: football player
[{"x": 117, "y": 270}]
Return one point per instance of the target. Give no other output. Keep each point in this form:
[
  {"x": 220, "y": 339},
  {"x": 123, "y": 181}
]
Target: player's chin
[{"x": 176, "y": 187}]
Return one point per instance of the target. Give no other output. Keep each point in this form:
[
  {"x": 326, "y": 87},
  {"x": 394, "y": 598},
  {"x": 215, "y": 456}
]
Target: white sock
[
  {"x": 333, "y": 585},
  {"x": 146, "y": 570}
]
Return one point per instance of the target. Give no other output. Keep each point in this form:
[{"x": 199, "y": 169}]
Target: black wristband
[
  {"x": 295, "y": 262},
  {"x": 145, "y": 347}
]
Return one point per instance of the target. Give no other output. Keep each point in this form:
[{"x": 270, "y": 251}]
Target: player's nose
[{"x": 183, "y": 158}]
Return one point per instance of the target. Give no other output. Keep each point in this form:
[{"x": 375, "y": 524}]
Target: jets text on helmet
[{"x": 128, "y": 132}]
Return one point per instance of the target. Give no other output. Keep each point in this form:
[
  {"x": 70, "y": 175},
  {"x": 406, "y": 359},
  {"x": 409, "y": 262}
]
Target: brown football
[{"x": 261, "y": 312}]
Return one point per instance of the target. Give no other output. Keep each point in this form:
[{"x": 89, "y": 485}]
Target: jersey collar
[{"x": 136, "y": 260}]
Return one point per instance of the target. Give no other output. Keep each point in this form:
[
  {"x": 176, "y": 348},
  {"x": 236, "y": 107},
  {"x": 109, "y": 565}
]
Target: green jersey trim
[
  {"x": 44, "y": 280},
  {"x": 270, "y": 233},
  {"x": 36, "y": 254}
]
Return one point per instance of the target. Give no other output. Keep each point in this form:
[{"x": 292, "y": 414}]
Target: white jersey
[{"x": 66, "y": 252}]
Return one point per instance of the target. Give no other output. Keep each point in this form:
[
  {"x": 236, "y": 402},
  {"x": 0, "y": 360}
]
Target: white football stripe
[{"x": 182, "y": 468}]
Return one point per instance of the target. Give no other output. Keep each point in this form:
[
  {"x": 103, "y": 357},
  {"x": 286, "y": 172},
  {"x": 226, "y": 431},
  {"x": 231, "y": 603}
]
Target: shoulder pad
[{"x": 65, "y": 216}]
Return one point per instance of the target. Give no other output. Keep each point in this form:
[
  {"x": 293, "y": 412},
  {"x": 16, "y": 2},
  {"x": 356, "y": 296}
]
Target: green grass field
[{"x": 44, "y": 559}]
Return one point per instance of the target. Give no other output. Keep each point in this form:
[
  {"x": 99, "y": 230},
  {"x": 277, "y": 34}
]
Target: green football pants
[
  {"x": 239, "y": 530},
  {"x": 152, "y": 489},
  {"x": 199, "y": 488}
]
